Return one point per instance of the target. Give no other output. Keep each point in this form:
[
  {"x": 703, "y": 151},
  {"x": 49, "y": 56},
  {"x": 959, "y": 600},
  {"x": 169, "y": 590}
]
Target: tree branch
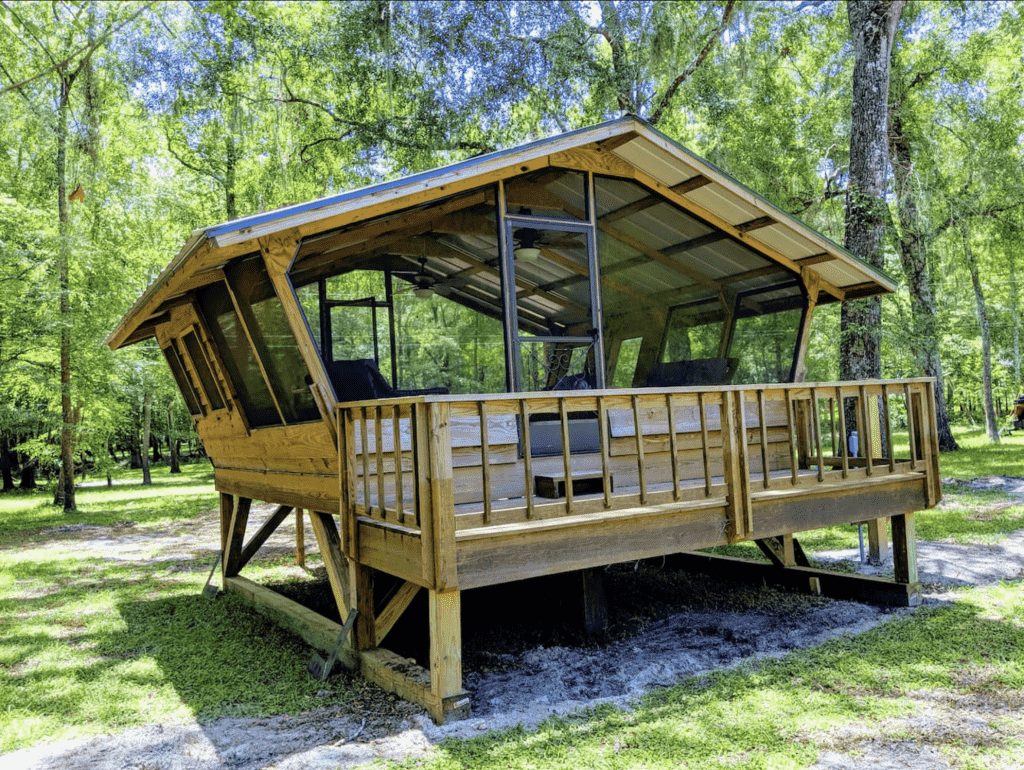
[{"x": 683, "y": 76}]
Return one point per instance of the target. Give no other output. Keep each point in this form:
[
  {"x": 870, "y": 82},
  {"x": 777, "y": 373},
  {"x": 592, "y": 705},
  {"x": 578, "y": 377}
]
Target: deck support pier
[{"x": 595, "y": 602}]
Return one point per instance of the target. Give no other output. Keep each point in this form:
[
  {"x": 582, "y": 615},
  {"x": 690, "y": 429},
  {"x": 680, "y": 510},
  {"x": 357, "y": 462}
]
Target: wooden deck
[
  {"x": 442, "y": 493},
  {"x": 454, "y": 503}
]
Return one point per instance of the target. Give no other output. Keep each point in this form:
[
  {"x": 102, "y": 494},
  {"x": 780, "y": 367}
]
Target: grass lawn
[{"x": 92, "y": 643}]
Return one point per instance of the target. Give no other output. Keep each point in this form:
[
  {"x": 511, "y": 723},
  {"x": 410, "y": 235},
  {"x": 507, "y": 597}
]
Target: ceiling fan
[{"x": 422, "y": 282}]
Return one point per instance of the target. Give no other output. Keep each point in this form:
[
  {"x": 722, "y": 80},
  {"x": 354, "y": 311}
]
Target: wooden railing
[{"x": 446, "y": 464}]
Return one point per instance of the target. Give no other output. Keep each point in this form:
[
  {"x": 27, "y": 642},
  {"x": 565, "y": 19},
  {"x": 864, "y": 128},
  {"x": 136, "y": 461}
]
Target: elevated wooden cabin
[{"x": 584, "y": 350}]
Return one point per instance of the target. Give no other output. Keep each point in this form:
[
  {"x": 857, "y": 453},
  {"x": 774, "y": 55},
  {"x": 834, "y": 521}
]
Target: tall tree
[{"x": 872, "y": 29}]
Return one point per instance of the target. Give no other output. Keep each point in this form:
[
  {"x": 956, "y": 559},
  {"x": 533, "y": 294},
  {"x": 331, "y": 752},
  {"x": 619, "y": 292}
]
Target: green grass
[
  {"x": 781, "y": 713},
  {"x": 94, "y": 644},
  {"x": 90, "y": 643}
]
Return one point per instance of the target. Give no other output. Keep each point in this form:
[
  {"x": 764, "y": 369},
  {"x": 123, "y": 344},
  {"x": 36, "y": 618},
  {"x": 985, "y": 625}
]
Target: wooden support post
[
  {"x": 257, "y": 540},
  {"x": 878, "y": 541},
  {"x": 783, "y": 551},
  {"x": 446, "y": 655},
  {"x": 337, "y": 565},
  {"x": 388, "y": 616},
  {"x": 227, "y": 506},
  {"x": 595, "y": 602},
  {"x": 364, "y": 636},
  {"x": 904, "y": 549},
  {"x": 236, "y": 532},
  {"x": 442, "y": 496},
  {"x": 734, "y": 455},
  {"x": 300, "y": 539}
]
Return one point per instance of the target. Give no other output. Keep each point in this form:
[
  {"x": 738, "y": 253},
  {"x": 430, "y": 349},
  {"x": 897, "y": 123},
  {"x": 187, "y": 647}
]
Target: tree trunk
[
  {"x": 872, "y": 28},
  {"x": 7, "y": 465},
  {"x": 1015, "y": 320},
  {"x": 28, "y": 475},
  {"x": 147, "y": 419},
  {"x": 172, "y": 443},
  {"x": 986, "y": 351},
  {"x": 924, "y": 336},
  {"x": 67, "y": 438}
]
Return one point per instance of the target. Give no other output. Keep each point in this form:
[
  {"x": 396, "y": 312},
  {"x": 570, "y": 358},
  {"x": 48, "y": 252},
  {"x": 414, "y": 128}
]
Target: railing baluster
[
  {"x": 602, "y": 416},
  {"x": 866, "y": 435},
  {"x": 794, "y": 466},
  {"x": 817, "y": 431},
  {"x": 396, "y": 448},
  {"x": 672, "y": 445},
  {"x": 888, "y": 428},
  {"x": 832, "y": 423},
  {"x": 566, "y": 454},
  {"x": 911, "y": 431},
  {"x": 524, "y": 416},
  {"x": 639, "y": 449},
  {"x": 761, "y": 418},
  {"x": 704, "y": 443},
  {"x": 378, "y": 437},
  {"x": 363, "y": 432},
  {"x": 485, "y": 459},
  {"x": 844, "y": 446}
]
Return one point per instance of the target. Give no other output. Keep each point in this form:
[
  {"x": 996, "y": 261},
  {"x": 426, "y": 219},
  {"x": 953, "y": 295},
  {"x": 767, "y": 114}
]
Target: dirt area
[{"x": 666, "y": 625}]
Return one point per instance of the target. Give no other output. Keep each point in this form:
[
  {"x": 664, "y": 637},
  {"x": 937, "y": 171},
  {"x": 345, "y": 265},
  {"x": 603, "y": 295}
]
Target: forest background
[{"x": 126, "y": 125}]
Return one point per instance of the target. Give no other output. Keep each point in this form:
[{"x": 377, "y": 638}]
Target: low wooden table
[{"x": 587, "y": 483}]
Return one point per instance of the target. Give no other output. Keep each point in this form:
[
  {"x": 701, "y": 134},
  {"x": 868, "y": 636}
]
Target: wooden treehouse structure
[{"x": 581, "y": 351}]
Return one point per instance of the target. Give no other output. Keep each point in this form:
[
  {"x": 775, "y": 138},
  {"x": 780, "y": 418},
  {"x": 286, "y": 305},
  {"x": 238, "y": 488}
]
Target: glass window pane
[
  {"x": 764, "y": 346},
  {"x": 237, "y": 355},
  {"x": 202, "y": 367},
  {"x": 274, "y": 341},
  {"x": 181, "y": 377}
]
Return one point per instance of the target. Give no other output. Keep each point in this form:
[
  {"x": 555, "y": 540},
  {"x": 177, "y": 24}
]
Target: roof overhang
[{"x": 625, "y": 147}]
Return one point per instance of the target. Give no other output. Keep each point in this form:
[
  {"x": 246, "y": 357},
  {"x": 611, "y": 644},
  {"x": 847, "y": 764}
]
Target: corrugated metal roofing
[{"x": 721, "y": 204}]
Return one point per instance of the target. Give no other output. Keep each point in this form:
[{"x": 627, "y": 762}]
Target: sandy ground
[{"x": 525, "y": 685}]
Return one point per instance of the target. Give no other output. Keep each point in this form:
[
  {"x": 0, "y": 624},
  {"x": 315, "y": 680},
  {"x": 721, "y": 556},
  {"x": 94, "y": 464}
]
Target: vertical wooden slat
[
  {"x": 866, "y": 434},
  {"x": 844, "y": 447},
  {"x": 911, "y": 428},
  {"x": 637, "y": 423},
  {"x": 887, "y": 416},
  {"x": 367, "y": 508},
  {"x": 933, "y": 444},
  {"x": 485, "y": 459},
  {"x": 704, "y": 443},
  {"x": 602, "y": 426},
  {"x": 524, "y": 417},
  {"x": 791, "y": 436},
  {"x": 673, "y": 447},
  {"x": 741, "y": 422},
  {"x": 396, "y": 448},
  {"x": 832, "y": 423},
  {"x": 563, "y": 415},
  {"x": 766, "y": 481},
  {"x": 300, "y": 539},
  {"x": 378, "y": 438},
  {"x": 815, "y": 406}
]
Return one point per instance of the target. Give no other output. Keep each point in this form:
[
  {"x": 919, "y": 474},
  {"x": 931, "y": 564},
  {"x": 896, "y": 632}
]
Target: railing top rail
[{"x": 583, "y": 395}]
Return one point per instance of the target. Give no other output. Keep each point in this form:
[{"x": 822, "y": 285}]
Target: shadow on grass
[{"x": 767, "y": 714}]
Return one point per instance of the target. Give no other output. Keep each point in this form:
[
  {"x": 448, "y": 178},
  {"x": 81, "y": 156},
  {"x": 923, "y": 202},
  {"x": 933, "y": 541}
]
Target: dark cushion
[
  {"x": 360, "y": 380},
  {"x": 700, "y": 371}
]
